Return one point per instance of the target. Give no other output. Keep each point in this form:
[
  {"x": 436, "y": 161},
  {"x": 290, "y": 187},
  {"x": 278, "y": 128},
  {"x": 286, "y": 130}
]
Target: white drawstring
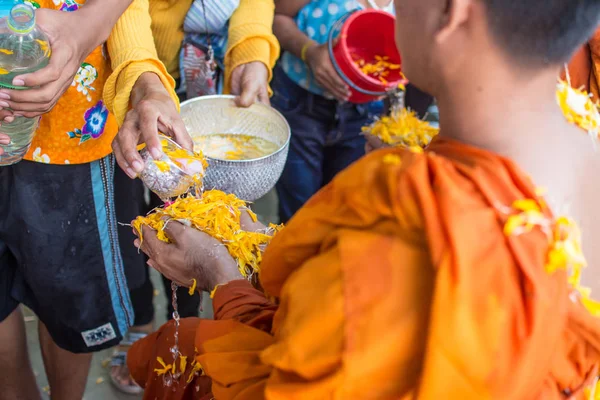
[{"x": 387, "y": 8}]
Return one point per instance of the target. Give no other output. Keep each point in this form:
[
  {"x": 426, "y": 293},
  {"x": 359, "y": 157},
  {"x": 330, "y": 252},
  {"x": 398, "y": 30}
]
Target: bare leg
[
  {"x": 120, "y": 373},
  {"x": 67, "y": 372},
  {"x": 16, "y": 380}
]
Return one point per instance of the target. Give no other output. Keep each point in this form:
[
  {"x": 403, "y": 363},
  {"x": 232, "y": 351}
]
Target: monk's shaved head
[
  {"x": 542, "y": 31},
  {"x": 447, "y": 43}
]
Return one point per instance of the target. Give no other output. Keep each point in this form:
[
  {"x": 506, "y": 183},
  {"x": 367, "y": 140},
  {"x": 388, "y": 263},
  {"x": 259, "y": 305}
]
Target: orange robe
[
  {"x": 584, "y": 67},
  {"x": 396, "y": 281},
  {"x": 595, "y": 74},
  {"x": 580, "y": 68}
]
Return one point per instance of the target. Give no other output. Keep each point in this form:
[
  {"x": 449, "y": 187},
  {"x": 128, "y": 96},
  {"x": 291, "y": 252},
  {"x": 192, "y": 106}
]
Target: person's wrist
[
  {"x": 310, "y": 53},
  {"x": 224, "y": 271},
  {"x": 147, "y": 84},
  {"x": 307, "y": 49}
]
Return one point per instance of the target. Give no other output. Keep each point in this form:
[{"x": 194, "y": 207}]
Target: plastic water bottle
[{"x": 23, "y": 49}]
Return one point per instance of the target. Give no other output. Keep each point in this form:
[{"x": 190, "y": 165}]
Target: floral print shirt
[{"x": 79, "y": 129}]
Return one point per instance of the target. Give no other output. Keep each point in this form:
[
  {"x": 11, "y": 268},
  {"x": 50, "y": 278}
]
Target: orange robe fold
[{"x": 396, "y": 281}]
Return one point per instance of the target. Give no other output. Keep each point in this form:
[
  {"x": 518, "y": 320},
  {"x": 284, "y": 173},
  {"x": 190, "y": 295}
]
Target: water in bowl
[{"x": 228, "y": 146}]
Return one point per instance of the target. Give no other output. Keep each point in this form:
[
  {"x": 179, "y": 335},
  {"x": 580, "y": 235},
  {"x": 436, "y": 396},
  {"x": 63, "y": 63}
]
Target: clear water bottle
[{"x": 23, "y": 49}]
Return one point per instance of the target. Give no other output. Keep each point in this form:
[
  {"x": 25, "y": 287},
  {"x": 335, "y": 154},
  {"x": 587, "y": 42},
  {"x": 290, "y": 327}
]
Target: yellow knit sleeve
[
  {"x": 167, "y": 27},
  {"x": 251, "y": 37},
  {"x": 132, "y": 53}
]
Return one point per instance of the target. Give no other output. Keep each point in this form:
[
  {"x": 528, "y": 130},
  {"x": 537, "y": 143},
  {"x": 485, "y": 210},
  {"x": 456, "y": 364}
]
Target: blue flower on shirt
[
  {"x": 95, "y": 120},
  {"x": 69, "y": 5}
]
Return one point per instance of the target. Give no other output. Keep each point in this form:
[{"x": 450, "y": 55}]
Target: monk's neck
[
  {"x": 523, "y": 122},
  {"x": 499, "y": 115}
]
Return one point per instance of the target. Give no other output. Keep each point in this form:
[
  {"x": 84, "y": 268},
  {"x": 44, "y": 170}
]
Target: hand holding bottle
[{"x": 70, "y": 47}]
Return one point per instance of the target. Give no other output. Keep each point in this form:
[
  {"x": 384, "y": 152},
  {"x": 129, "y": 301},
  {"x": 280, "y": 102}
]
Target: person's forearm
[
  {"x": 100, "y": 17},
  {"x": 290, "y": 37}
]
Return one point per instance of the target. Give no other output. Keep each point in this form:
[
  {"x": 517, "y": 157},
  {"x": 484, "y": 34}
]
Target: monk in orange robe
[{"x": 435, "y": 275}]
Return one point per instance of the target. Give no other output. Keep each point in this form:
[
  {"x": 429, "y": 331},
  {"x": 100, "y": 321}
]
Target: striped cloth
[
  {"x": 218, "y": 13},
  {"x": 196, "y": 79}
]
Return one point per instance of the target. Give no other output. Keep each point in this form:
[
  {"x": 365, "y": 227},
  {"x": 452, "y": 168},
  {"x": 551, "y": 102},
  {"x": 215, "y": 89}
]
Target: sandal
[{"x": 119, "y": 360}]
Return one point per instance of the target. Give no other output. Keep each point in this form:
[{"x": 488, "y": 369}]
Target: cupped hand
[
  {"x": 69, "y": 49},
  {"x": 153, "y": 110},
  {"x": 250, "y": 83},
  {"x": 192, "y": 255},
  {"x": 319, "y": 62}
]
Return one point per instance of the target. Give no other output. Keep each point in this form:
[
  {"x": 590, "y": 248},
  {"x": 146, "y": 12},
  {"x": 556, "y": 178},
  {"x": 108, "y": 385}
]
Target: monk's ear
[{"x": 454, "y": 18}]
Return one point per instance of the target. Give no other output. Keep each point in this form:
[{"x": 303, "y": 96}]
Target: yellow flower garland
[
  {"x": 564, "y": 238},
  {"x": 403, "y": 128},
  {"x": 578, "y": 108}
]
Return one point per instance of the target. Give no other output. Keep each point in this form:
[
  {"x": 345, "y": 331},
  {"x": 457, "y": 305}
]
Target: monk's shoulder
[
  {"x": 384, "y": 163},
  {"x": 375, "y": 178}
]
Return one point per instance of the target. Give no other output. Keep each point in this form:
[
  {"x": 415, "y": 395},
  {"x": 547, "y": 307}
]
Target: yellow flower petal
[
  {"x": 192, "y": 288},
  {"x": 526, "y": 205},
  {"x": 196, "y": 368},
  {"x": 162, "y": 166},
  {"x": 214, "y": 291},
  {"x": 165, "y": 367},
  {"x": 182, "y": 363},
  {"x": 513, "y": 223}
]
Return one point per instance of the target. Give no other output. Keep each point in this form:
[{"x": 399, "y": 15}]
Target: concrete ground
[{"x": 99, "y": 386}]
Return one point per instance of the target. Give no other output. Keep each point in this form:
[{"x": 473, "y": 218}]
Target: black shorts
[{"x": 59, "y": 252}]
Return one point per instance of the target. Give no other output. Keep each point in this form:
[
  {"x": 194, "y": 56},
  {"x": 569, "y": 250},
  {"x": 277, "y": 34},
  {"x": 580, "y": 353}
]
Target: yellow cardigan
[
  {"x": 132, "y": 52},
  {"x": 250, "y": 34}
]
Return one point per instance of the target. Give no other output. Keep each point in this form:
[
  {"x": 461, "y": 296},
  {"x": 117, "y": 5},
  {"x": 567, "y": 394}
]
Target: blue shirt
[{"x": 316, "y": 20}]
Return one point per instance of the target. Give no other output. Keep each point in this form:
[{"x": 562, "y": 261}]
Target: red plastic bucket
[{"x": 364, "y": 35}]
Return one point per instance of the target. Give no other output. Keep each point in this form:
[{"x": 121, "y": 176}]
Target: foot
[{"x": 119, "y": 373}]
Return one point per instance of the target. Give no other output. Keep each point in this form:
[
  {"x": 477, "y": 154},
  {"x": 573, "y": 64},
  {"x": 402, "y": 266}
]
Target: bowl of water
[{"x": 246, "y": 148}]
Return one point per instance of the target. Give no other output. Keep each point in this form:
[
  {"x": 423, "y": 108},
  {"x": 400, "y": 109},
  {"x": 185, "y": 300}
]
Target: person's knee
[
  {"x": 12, "y": 335},
  {"x": 17, "y": 382}
]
